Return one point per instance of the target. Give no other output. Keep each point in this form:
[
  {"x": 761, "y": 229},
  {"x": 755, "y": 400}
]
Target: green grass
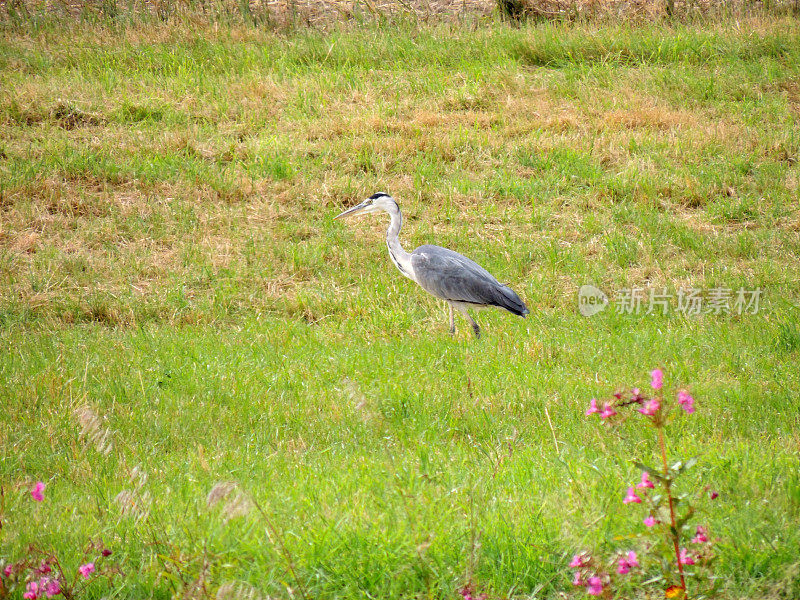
[{"x": 168, "y": 259}]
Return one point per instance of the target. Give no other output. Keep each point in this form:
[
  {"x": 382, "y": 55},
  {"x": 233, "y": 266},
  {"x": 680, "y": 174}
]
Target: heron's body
[{"x": 448, "y": 275}]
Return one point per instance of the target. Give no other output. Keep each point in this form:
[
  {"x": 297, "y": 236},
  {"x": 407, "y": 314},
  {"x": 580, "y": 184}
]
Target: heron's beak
[{"x": 352, "y": 211}]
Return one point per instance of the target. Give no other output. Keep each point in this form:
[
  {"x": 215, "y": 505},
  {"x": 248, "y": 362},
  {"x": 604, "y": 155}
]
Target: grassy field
[{"x": 178, "y": 308}]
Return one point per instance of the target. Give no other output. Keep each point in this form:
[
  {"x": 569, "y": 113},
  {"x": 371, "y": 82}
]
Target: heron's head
[{"x": 375, "y": 203}]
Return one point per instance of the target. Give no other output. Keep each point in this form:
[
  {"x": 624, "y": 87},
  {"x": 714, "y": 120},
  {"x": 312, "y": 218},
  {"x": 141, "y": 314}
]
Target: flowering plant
[
  {"x": 40, "y": 574},
  {"x": 670, "y": 538}
]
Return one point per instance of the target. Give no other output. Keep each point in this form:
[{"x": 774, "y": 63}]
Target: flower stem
[{"x": 668, "y": 485}]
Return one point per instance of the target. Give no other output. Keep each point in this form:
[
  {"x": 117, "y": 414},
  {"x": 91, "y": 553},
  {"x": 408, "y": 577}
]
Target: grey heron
[{"x": 448, "y": 275}]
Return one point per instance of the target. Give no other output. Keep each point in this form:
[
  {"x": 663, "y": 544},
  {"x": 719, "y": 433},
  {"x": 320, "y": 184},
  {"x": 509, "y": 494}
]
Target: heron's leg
[
  {"x": 452, "y": 320},
  {"x": 475, "y": 327},
  {"x": 472, "y": 322}
]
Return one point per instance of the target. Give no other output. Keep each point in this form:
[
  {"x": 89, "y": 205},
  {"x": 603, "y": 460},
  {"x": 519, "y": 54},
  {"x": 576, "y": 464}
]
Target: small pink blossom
[
  {"x": 650, "y": 407},
  {"x": 649, "y": 521},
  {"x": 52, "y": 587},
  {"x": 684, "y": 557},
  {"x": 608, "y": 411},
  {"x": 645, "y": 482},
  {"x": 578, "y": 561},
  {"x": 86, "y": 570},
  {"x": 701, "y": 535},
  {"x": 631, "y": 497},
  {"x": 714, "y": 495},
  {"x": 595, "y": 586},
  {"x": 8, "y": 570},
  {"x": 657, "y": 379},
  {"x": 686, "y": 402},
  {"x": 592, "y": 407},
  {"x": 43, "y": 568},
  {"x": 578, "y": 580},
  {"x": 31, "y": 591},
  {"x": 636, "y": 396},
  {"x": 627, "y": 562},
  {"x": 467, "y": 591},
  {"x": 37, "y": 493},
  {"x": 624, "y": 568}
]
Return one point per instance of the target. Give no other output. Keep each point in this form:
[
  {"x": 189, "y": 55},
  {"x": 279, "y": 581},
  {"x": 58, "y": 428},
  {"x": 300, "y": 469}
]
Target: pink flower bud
[
  {"x": 657, "y": 381},
  {"x": 37, "y": 493}
]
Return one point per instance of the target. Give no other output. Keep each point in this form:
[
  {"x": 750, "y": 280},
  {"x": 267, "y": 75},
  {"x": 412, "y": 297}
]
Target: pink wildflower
[
  {"x": 52, "y": 587},
  {"x": 43, "y": 568},
  {"x": 608, "y": 411},
  {"x": 31, "y": 591},
  {"x": 624, "y": 568},
  {"x": 592, "y": 408},
  {"x": 684, "y": 557},
  {"x": 701, "y": 535},
  {"x": 650, "y": 407},
  {"x": 645, "y": 483},
  {"x": 578, "y": 580},
  {"x": 627, "y": 562},
  {"x": 37, "y": 491},
  {"x": 657, "y": 381},
  {"x": 649, "y": 521},
  {"x": 636, "y": 396},
  {"x": 578, "y": 561},
  {"x": 686, "y": 402},
  {"x": 8, "y": 570},
  {"x": 86, "y": 570},
  {"x": 631, "y": 497},
  {"x": 595, "y": 586}
]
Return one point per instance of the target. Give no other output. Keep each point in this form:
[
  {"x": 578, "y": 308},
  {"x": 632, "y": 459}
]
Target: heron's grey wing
[{"x": 451, "y": 276}]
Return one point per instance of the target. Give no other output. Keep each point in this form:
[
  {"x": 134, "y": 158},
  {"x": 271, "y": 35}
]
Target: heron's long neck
[{"x": 400, "y": 257}]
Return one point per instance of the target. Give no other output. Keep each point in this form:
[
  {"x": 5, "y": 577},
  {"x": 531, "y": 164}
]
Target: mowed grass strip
[{"x": 168, "y": 262}]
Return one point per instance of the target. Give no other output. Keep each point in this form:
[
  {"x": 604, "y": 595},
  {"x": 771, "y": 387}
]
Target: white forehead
[{"x": 382, "y": 199}]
